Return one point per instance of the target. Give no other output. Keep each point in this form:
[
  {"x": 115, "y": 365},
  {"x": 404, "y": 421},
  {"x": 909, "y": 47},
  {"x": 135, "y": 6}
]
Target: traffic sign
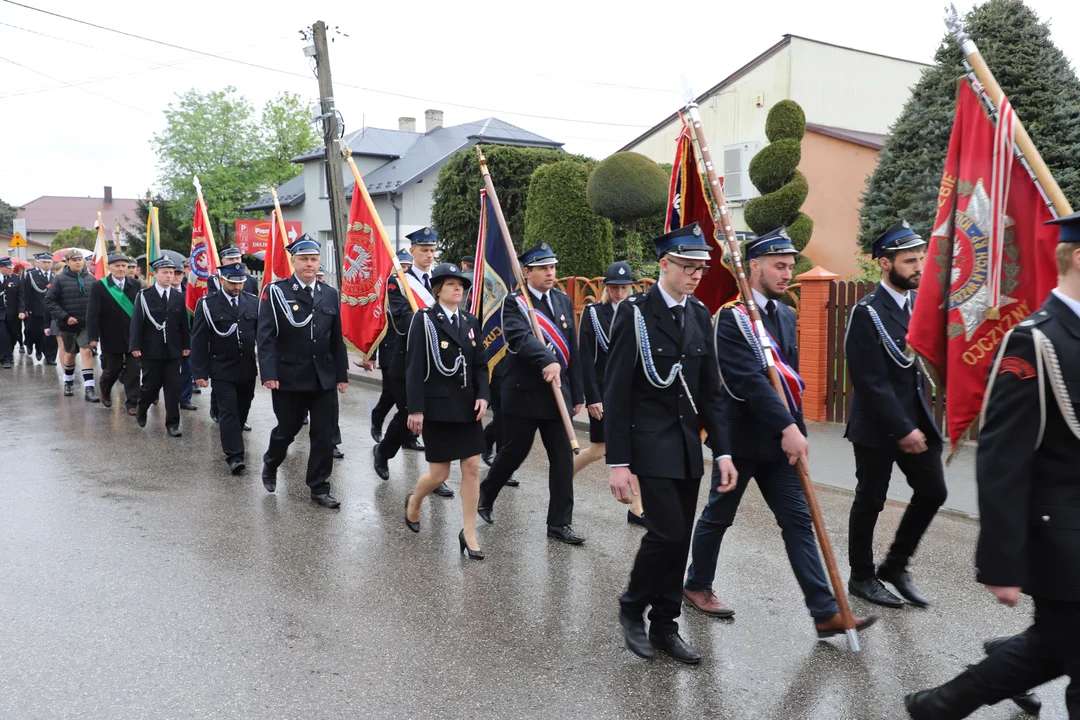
[{"x": 17, "y": 241}]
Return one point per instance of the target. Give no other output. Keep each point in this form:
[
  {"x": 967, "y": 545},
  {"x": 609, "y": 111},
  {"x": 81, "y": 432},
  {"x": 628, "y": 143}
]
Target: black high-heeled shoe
[
  {"x": 414, "y": 526},
  {"x": 473, "y": 554}
]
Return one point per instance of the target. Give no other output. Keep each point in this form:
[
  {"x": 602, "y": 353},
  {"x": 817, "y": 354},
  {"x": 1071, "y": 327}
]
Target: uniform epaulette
[
  {"x": 698, "y": 302},
  {"x": 737, "y": 302},
  {"x": 637, "y": 296},
  {"x": 555, "y": 289},
  {"x": 866, "y": 299},
  {"x": 1035, "y": 319}
]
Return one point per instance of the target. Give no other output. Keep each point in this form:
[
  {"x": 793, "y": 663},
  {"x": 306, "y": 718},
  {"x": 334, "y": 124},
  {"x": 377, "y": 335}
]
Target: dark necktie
[
  {"x": 232, "y": 301},
  {"x": 453, "y": 321},
  {"x": 546, "y": 299},
  {"x": 770, "y": 320},
  {"x": 427, "y": 282},
  {"x": 677, "y": 312},
  {"x": 310, "y": 293},
  {"x": 907, "y": 306}
]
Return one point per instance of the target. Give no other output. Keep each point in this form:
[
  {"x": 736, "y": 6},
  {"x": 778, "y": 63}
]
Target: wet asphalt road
[{"x": 138, "y": 579}]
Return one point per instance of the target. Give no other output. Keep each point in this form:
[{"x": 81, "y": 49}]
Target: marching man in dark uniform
[
  {"x": 767, "y": 439},
  {"x": 661, "y": 376},
  {"x": 596, "y": 322},
  {"x": 302, "y": 360},
  {"x": 1029, "y": 502},
  {"x": 223, "y": 334},
  {"x": 447, "y": 385},
  {"x": 890, "y": 422},
  {"x": 108, "y": 323},
  {"x": 386, "y": 398},
  {"x": 528, "y": 404},
  {"x": 400, "y": 312},
  {"x": 36, "y": 284},
  {"x": 12, "y": 311},
  {"x": 160, "y": 338},
  {"x": 230, "y": 257}
]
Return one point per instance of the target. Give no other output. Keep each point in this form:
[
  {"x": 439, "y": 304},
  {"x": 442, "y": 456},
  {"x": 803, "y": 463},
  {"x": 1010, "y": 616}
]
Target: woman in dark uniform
[
  {"x": 446, "y": 384},
  {"x": 596, "y": 322}
]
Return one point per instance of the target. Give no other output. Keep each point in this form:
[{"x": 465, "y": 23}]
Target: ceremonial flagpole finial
[
  {"x": 198, "y": 185},
  {"x": 955, "y": 23},
  {"x": 687, "y": 91}
]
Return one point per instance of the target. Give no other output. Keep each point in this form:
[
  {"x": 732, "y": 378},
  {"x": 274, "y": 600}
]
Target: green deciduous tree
[
  {"x": 217, "y": 136},
  {"x": 559, "y": 214},
  {"x": 455, "y": 213},
  {"x": 7, "y": 217},
  {"x": 74, "y": 236},
  {"x": 174, "y": 229},
  {"x": 1040, "y": 84},
  {"x": 628, "y": 186}
]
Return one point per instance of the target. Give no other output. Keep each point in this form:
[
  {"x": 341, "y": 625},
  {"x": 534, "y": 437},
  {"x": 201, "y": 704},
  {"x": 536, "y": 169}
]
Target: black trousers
[
  {"x": 234, "y": 402},
  {"x": 7, "y": 343},
  {"x": 383, "y": 406},
  {"x": 519, "y": 433},
  {"x": 15, "y": 331},
  {"x": 214, "y": 414},
  {"x": 873, "y": 467},
  {"x": 1047, "y": 650},
  {"x": 158, "y": 375},
  {"x": 657, "y": 576},
  {"x": 125, "y": 368},
  {"x": 291, "y": 408},
  {"x": 37, "y": 340},
  {"x": 493, "y": 433},
  {"x": 397, "y": 432}
]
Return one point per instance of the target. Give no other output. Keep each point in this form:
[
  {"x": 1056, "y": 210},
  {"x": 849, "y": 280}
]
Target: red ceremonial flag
[
  {"x": 276, "y": 265},
  {"x": 204, "y": 262},
  {"x": 367, "y": 266},
  {"x": 990, "y": 262},
  {"x": 687, "y": 204}
]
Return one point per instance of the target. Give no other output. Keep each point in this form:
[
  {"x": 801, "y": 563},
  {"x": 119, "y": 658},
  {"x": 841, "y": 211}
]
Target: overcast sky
[{"x": 78, "y": 109}]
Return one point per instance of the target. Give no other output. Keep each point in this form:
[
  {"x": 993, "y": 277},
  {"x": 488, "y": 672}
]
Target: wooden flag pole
[
  {"x": 206, "y": 221},
  {"x": 282, "y": 237},
  {"x": 1023, "y": 141},
  {"x": 726, "y": 234},
  {"x": 560, "y": 401},
  {"x": 359, "y": 186}
]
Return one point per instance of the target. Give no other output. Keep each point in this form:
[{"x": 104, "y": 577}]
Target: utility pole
[{"x": 335, "y": 182}]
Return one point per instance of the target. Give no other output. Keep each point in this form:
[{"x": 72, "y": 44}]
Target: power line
[
  {"x": 305, "y": 77},
  {"x": 91, "y": 92}
]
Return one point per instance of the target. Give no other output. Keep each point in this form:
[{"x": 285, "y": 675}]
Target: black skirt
[
  {"x": 596, "y": 430},
  {"x": 448, "y": 441}
]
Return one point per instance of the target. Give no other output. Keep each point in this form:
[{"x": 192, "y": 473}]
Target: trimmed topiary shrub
[
  {"x": 627, "y": 186},
  {"x": 558, "y": 213},
  {"x": 783, "y": 188}
]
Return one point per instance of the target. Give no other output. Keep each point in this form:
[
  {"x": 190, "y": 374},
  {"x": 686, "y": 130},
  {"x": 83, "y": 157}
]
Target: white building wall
[{"x": 849, "y": 89}]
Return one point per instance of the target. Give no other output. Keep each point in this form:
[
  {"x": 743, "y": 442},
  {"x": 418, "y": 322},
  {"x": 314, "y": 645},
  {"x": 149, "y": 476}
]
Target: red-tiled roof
[{"x": 51, "y": 214}]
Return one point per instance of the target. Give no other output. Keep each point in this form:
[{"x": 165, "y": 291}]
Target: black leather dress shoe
[
  {"x": 338, "y": 455},
  {"x": 414, "y": 526},
  {"x": 957, "y": 698},
  {"x": 488, "y": 457},
  {"x": 512, "y": 481},
  {"x": 173, "y": 432},
  {"x": 873, "y": 591},
  {"x": 327, "y": 501},
  {"x": 901, "y": 580},
  {"x": 635, "y": 519},
  {"x": 106, "y": 401},
  {"x": 413, "y": 444},
  {"x": 236, "y": 466},
  {"x": 382, "y": 469},
  {"x": 188, "y": 406},
  {"x": 565, "y": 534},
  {"x": 214, "y": 418},
  {"x": 376, "y": 434},
  {"x": 675, "y": 647},
  {"x": 269, "y": 478},
  {"x": 247, "y": 428},
  {"x": 140, "y": 417},
  {"x": 485, "y": 514},
  {"x": 1029, "y": 702},
  {"x": 443, "y": 490},
  {"x": 634, "y": 633}
]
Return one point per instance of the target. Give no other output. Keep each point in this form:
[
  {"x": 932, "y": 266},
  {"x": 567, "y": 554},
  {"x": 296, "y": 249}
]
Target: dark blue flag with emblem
[{"x": 494, "y": 273}]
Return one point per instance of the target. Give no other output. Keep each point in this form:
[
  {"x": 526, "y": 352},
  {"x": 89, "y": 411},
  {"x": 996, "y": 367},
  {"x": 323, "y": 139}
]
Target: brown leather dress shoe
[
  {"x": 835, "y": 625},
  {"x": 706, "y": 602}
]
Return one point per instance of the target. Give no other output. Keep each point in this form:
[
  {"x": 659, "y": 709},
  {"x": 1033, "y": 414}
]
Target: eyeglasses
[{"x": 691, "y": 270}]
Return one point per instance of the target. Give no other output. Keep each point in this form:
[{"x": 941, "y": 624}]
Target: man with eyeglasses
[{"x": 661, "y": 375}]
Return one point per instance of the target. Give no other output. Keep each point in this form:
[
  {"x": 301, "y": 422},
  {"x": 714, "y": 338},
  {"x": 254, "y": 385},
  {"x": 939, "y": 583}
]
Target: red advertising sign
[{"x": 253, "y": 235}]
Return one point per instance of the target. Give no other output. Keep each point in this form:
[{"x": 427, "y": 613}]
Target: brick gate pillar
[{"x": 814, "y": 338}]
